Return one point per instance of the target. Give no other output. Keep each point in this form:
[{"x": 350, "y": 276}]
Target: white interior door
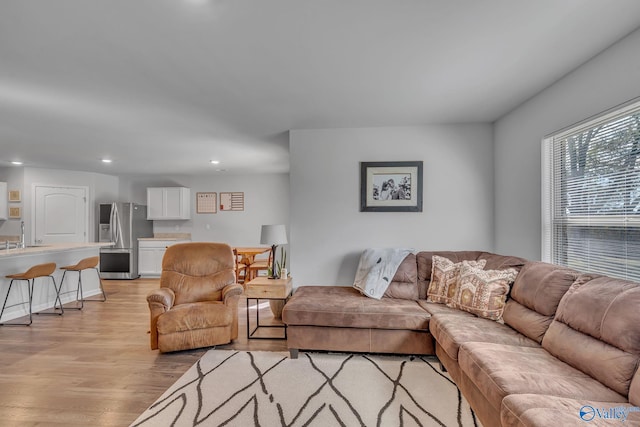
[{"x": 60, "y": 215}]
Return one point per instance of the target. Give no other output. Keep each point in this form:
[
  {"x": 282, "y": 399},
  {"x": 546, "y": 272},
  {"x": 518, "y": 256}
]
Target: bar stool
[
  {"x": 84, "y": 264},
  {"x": 29, "y": 276}
]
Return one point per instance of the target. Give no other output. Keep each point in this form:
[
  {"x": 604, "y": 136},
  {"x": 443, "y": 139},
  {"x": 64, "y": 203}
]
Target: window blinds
[{"x": 591, "y": 195}]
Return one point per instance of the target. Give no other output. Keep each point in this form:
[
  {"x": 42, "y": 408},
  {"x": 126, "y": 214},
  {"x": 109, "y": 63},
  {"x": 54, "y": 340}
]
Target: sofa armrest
[{"x": 160, "y": 301}]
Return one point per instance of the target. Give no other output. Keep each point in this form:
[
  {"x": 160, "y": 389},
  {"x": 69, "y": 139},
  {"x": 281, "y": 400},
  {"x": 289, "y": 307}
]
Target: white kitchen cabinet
[
  {"x": 150, "y": 253},
  {"x": 168, "y": 203},
  {"x": 3, "y": 201},
  {"x": 148, "y": 264}
]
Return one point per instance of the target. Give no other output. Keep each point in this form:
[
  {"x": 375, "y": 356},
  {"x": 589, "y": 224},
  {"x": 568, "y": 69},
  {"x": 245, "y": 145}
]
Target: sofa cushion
[
  {"x": 501, "y": 262},
  {"x": 405, "y": 282},
  {"x": 529, "y": 410},
  {"x": 451, "y": 330},
  {"x": 435, "y": 308},
  {"x": 344, "y": 306},
  {"x": 499, "y": 370},
  {"x": 445, "y": 275},
  {"x": 597, "y": 330},
  {"x": 198, "y": 315},
  {"x": 535, "y": 296},
  {"x": 424, "y": 261},
  {"x": 482, "y": 292}
]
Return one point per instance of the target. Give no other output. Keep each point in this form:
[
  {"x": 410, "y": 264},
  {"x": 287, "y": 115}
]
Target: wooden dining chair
[
  {"x": 259, "y": 264},
  {"x": 241, "y": 268}
]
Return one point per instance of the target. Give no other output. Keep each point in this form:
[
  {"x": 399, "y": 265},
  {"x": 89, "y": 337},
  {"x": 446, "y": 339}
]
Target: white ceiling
[{"x": 163, "y": 86}]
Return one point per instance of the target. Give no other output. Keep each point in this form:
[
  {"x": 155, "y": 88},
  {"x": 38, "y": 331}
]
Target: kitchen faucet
[{"x": 22, "y": 243}]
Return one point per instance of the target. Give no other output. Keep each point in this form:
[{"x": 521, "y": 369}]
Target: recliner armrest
[
  {"x": 230, "y": 296},
  {"x": 230, "y": 291},
  {"x": 160, "y": 301},
  {"x": 164, "y": 296}
]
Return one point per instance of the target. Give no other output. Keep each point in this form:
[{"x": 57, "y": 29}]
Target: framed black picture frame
[{"x": 391, "y": 186}]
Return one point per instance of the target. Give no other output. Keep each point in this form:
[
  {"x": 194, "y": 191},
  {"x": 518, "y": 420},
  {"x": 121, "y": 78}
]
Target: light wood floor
[{"x": 94, "y": 367}]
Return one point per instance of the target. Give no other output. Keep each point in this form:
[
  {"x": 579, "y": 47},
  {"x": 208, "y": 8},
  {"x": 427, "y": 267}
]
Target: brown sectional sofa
[{"x": 569, "y": 340}]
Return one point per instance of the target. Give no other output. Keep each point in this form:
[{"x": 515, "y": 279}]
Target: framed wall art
[
  {"x": 391, "y": 186},
  {"x": 14, "y": 195},
  {"x": 206, "y": 203},
  {"x": 15, "y": 212},
  {"x": 232, "y": 201}
]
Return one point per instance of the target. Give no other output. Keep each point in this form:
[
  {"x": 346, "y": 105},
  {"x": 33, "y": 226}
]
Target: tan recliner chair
[{"x": 197, "y": 303}]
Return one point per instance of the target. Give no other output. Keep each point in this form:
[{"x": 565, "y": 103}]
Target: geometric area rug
[{"x": 258, "y": 388}]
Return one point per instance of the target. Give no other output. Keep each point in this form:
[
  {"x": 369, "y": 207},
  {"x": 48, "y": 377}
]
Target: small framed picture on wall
[
  {"x": 15, "y": 212},
  {"x": 391, "y": 186},
  {"x": 14, "y": 195}
]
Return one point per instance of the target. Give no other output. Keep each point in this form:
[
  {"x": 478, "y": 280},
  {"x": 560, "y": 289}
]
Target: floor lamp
[{"x": 273, "y": 235}]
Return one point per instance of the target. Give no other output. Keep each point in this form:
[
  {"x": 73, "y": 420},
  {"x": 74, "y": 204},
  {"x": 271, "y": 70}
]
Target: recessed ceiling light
[
  {"x": 106, "y": 160},
  {"x": 16, "y": 162},
  {"x": 214, "y": 162}
]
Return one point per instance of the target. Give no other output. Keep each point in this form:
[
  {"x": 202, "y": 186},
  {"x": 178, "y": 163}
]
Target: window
[{"x": 591, "y": 195}]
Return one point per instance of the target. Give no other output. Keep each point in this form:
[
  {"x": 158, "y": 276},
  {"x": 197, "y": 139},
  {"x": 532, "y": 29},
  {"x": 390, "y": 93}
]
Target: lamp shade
[{"x": 273, "y": 235}]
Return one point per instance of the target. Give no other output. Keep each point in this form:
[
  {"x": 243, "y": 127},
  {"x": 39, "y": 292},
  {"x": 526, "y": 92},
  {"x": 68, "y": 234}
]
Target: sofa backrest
[
  {"x": 597, "y": 330},
  {"x": 494, "y": 262},
  {"x": 405, "y": 282},
  {"x": 535, "y": 296}
]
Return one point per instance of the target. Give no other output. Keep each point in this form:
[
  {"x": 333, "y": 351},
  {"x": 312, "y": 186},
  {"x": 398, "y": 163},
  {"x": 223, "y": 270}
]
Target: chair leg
[
  {"x": 58, "y": 289},
  {"x": 104, "y": 296},
  {"x": 4, "y": 305},
  {"x": 57, "y": 300},
  {"x": 5, "y": 300},
  {"x": 78, "y": 290},
  {"x": 33, "y": 281}
]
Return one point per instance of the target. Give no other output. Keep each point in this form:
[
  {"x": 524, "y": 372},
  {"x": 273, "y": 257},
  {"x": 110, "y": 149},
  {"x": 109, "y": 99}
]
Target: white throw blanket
[{"x": 377, "y": 268}]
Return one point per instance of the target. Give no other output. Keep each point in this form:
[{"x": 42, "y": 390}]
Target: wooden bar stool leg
[{"x": 4, "y": 305}]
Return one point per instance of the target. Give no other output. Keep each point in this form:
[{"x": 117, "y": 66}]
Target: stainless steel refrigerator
[{"x": 122, "y": 224}]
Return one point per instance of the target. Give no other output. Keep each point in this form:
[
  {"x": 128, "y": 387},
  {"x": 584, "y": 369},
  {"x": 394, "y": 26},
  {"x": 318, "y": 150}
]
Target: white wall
[
  {"x": 328, "y": 232},
  {"x": 101, "y": 187},
  {"x": 14, "y": 177},
  {"x": 609, "y": 79},
  {"x": 266, "y": 198}
]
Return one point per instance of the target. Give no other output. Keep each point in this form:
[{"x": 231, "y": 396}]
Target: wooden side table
[{"x": 266, "y": 289}]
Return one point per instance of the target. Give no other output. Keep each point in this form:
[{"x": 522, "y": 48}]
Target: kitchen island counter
[
  {"x": 14, "y": 261},
  {"x": 53, "y": 247}
]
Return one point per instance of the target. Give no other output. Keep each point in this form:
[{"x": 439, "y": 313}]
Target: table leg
[{"x": 251, "y": 332}]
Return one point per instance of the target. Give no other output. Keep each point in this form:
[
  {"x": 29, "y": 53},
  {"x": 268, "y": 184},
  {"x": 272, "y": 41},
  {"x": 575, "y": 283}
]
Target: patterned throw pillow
[
  {"x": 483, "y": 292},
  {"x": 444, "y": 278}
]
